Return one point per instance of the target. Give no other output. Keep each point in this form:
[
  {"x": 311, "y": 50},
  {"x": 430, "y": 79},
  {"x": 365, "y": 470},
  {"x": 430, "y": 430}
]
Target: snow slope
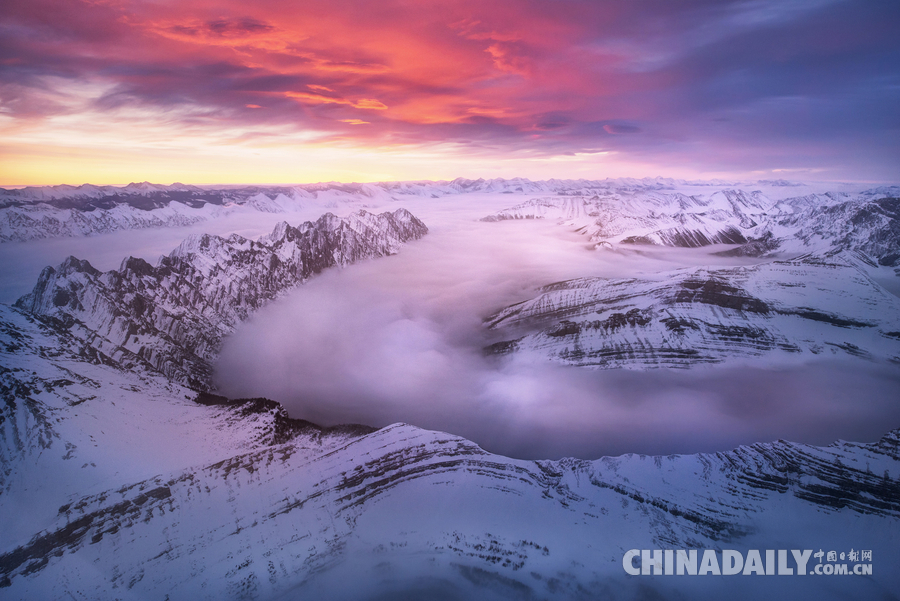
[{"x": 809, "y": 306}]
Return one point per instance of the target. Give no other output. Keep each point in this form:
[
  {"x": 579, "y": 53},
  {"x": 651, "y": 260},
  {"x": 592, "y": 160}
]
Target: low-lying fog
[{"x": 400, "y": 339}]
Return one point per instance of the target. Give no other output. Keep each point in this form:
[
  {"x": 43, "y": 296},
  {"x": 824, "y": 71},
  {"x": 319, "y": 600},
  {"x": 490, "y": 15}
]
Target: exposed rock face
[
  {"x": 871, "y": 227},
  {"x": 811, "y": 305},
  {"x": 172, "y": 317},
  {"x": 753, "y": 247}
]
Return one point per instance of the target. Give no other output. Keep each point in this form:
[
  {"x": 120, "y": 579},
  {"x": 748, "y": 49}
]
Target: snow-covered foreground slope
[
  {"x": 810, "y": 306},
  {"x": 74, "y": 420},
  {"x": 186, "y": 501}
]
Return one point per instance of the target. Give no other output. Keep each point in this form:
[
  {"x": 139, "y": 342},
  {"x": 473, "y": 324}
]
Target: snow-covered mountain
[
  {"x": 171, "y": 318},
  {"x": 119, "y": 484},
  {"x": 819, "y": 300},
  {"x": 868, "y": 221},
  {"x": 811, "y": 305},
  {"x": 83, "y": 336},
  {"x": 660, "y": 210},
  {"x": 55, "y": 211}
]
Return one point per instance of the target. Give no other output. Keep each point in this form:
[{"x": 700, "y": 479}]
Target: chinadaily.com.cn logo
[{"x": 670, "y": 562}]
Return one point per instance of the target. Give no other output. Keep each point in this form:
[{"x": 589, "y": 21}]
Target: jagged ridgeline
[{"x": 172, "y": 317}]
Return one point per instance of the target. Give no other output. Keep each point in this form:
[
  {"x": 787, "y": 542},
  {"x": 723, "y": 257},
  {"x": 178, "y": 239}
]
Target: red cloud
[
  {"x": 362, "y": 103},
  {"x": 545, "y": 77}
]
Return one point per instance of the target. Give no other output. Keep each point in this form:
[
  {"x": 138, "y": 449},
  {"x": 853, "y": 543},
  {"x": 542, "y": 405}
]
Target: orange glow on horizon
[{"x": 450, "y": 88}]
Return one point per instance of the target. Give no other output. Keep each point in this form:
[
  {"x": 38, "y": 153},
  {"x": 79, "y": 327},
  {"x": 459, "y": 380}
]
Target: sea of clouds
[{"x": 400, "y": 339}]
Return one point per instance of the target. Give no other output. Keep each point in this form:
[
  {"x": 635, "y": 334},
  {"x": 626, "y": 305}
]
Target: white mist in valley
[{"x": 400, "y": 339}]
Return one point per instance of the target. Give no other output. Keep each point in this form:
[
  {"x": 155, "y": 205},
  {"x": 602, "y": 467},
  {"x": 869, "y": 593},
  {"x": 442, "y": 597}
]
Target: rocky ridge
[
  {"x": 811, "y": 305},
  {"x": 171, "y": 318}
]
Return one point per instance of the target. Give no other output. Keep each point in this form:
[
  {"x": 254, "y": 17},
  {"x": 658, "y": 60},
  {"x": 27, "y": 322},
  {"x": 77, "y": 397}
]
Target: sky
[{"x": 278, "y": 91}]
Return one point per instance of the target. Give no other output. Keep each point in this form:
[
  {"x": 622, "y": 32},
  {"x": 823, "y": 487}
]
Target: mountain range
[
  {"x": 125, "y": 476},
  {"x": 651, "y": 210}
]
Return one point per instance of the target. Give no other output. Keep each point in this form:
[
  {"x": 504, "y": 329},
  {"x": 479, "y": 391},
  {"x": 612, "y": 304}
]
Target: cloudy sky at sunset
[{"x": 282, "y": 91}]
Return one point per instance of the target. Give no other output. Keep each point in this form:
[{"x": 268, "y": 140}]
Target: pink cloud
[{"x": 543, "y": 77}]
